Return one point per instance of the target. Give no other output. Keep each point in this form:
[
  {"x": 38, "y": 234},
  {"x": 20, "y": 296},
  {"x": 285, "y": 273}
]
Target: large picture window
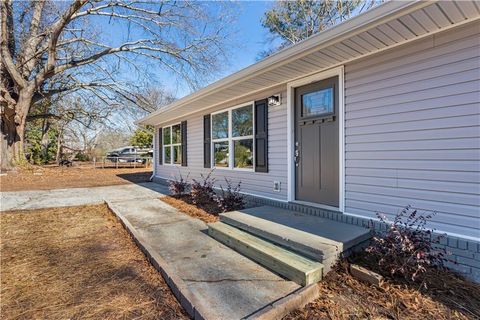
[
  {"x": 232, "y": 138},
  {"x": 172, "y": 144}
]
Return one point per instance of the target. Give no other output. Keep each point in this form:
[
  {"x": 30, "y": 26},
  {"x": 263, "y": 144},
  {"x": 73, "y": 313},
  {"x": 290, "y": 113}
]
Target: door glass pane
[
  {"x": 167, "y": 155},
  {"x": 177, "y": 154},
  {"x": 220, "y": 125},
  {"x": 220, "y": 150},
  {"x": 242, "y": 121},
  {"x": 243, "y": 153},
  {"x": 317, "y": 103},
  {"x": 166, "y": 135}
]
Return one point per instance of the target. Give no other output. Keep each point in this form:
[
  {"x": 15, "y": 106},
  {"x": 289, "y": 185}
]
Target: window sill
[{"x": 233, "y": 169}]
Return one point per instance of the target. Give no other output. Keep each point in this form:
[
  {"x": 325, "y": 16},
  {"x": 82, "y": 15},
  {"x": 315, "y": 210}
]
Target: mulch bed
[
  {"x": 447, "y": 296},
  {"x": 207, "y": 213},
  {"x": 77, "y": 263},
  {"x": 79, "y": 176}
]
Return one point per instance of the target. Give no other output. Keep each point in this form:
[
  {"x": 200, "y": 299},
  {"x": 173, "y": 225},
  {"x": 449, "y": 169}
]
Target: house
[{"x": 376, "y": 113}]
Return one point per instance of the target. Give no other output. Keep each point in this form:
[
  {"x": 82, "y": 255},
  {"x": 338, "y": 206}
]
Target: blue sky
[
  {"x": 247, "y": 41},
  {"x": 249, "y": 38},
  {"x": 251, "y": 34}
]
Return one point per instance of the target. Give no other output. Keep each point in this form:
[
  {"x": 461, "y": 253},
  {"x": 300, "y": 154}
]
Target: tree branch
[{"x": 6, "y": 15}]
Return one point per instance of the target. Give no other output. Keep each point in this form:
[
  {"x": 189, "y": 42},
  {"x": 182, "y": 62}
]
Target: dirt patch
[
  {"x": 81, "y": 176},
  {"x": 77, "y": 263},
  {"x": 184, "y": 204},
  {"x": 345, "y": 297}
]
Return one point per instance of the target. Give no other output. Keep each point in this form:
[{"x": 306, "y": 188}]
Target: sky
[
  {"x": 249, "y": 37},
  {"x": 251, "y": 33},
  {"x": 248, "y": 40}
]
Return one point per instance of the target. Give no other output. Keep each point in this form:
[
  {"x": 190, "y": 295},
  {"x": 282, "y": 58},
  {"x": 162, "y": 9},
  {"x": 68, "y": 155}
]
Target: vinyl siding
[
  {"x": 412, "y": 134},
  {"x": 412, "y": 131},
  {"x": 256, "y": 183}
]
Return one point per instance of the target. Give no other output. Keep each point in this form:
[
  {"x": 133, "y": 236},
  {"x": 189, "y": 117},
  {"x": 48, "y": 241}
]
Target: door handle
[{"x": 296, "y": 157}]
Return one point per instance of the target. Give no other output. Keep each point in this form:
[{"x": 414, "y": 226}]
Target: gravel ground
[
  {"x": 77, "y": 263},
  {"x": 84, "y": 175}
]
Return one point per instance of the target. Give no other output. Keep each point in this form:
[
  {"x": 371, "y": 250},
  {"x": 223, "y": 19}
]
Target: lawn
[
  {"x": 81, "y": 175},
  {"x": 77, "y": 262}
]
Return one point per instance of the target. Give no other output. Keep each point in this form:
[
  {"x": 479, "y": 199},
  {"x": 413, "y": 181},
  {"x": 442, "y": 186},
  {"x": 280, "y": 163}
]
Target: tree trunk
[
  {"x": 13, "y": 131},
  {"x": 45, "y": 142},
  {"x": 59, "y": 154},
  {"x": 11, "y": 141}
]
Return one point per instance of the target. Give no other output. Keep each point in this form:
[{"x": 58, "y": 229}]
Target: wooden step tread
[
  {"x": 286, "y": 263},
  {"x": 320, "y": 239}
]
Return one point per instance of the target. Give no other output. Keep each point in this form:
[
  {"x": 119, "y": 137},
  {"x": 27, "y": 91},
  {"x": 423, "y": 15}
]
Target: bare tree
[
  {"x": 49, "y": 48},
  {"x": 291, "y": 21}
]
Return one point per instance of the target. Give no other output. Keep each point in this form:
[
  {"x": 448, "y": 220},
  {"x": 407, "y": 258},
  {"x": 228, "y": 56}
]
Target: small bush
[
  {"x": 231, "y": 198},
  {"x": 82, "y": 157},
  {"x": 202, "y": 191},
  {"x": 179, "y": 186},
  {"x": 407, "y": 248}
]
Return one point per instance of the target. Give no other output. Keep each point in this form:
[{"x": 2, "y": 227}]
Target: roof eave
[{"x": 348, "y": 28}]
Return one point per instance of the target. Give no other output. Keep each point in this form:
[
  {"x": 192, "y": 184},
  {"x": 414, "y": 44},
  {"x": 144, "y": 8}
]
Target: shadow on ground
[{"x": 136, "y": 177}]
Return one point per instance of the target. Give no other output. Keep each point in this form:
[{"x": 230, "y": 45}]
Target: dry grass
[
  {"x": 344, "y": 297},
  {"x": 191, "y": 209},
  {"x": 77, "y": 263},
  {"x": 54, "y": 177}
]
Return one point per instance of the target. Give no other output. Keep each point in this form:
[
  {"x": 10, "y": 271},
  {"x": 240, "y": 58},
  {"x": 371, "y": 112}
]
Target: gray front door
[{"x": 316, "y": 142}]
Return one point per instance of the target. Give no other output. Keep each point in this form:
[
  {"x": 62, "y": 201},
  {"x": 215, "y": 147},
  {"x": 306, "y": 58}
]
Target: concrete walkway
[
  {"x": 218, "y": 282},
  {"x": 211, "y": 280}
]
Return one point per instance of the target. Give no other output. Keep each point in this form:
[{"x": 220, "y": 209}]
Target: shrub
[
  {"x": 407, "y": 248},
  {"x": 231, "y": 198},
  {"x": 202, "y": 191},
  {"x": 81, "y": 157},
  {"x": 179, "y": 186}
]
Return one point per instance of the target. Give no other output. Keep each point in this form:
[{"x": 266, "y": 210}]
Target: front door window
[{"x": 318, "y": 103}]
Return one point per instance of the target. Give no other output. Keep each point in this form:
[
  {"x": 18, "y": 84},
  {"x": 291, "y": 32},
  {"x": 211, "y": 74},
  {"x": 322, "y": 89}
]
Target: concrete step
[
  {"x": 320, "y": 239},
  {"x": 286, "y": 263}
]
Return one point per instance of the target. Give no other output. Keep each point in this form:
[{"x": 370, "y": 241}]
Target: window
[
  {"x": 172, "y": 145},
  {"x": 232, "y": 138},
  {"x": 317, "y": 103}
]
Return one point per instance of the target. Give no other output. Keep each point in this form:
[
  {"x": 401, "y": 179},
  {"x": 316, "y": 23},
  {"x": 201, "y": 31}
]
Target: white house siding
[
  {"x": 257, "y": 183},
  {"x": 413, "y": 130}
]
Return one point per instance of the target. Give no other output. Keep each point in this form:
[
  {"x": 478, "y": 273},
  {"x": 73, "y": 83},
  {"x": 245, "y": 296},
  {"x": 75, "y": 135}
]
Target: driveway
[{"x": 37, "y": 199}]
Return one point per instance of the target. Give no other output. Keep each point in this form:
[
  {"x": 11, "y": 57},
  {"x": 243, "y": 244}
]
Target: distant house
[{"x": 376, "y": 113}]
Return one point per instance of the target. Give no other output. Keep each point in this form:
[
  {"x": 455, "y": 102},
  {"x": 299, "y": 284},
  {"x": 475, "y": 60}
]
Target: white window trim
[
  {"x": 337, "y": 71},
  {"x": 230, "y": 139},
  {"x": 171, "y": 145}
]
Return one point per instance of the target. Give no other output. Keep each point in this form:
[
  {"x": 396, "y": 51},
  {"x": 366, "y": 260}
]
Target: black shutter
[
  {"x": 184, "y": 143},
  {"x": 207, "y": 162},
  {"x": 160, "y": 146},
  {"x": 261, "y": 136}
]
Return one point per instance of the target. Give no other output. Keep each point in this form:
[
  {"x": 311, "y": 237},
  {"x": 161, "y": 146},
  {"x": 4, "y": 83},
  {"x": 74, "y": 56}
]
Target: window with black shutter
[
  {"x": 207, "y": 159},
  {"x": 184, "y": 143},
  {"x": 160, "y": 146},
  {"x": 261, "y": 136}
]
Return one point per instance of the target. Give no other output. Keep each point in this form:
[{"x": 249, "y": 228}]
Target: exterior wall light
[{"x": 274, "y": 100}]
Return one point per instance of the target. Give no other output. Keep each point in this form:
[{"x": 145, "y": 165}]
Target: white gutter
[{"x": 369, "y": 19}]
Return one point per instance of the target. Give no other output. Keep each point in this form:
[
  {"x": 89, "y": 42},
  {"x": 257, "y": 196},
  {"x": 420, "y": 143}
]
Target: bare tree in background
[
  {"x": 48, "y": 48},
  {"x": 295, "y": 20}
]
